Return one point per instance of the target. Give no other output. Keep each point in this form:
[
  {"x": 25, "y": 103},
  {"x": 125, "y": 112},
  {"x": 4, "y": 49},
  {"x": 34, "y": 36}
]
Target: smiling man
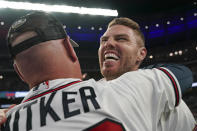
[
  {"x": 140, "y": 100},
  {"x": 122, "y": 48}
]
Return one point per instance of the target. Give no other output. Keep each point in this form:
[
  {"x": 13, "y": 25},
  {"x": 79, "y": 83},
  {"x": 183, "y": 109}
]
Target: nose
[{"x": 110, "y": 43}]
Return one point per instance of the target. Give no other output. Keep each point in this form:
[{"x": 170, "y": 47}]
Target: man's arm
[{"x": 181, "y": 72}]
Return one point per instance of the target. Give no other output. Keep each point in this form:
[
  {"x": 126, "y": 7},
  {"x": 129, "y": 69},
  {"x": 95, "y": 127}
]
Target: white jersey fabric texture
[{"x": 142, "y": 100}]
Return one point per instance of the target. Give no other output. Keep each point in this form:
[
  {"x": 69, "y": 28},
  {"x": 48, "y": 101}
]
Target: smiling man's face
[{"x": 119, "y": 51}]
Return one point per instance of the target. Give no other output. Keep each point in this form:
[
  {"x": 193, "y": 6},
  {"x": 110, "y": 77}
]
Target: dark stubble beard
[{"x": 110, "y": 75}]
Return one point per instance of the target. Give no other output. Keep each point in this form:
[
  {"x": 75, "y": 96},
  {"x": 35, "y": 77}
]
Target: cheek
[
  {"x": 129, "y": 56},
  {"x": 99, "y": 54},
  {"x": 99, "y": 51}
]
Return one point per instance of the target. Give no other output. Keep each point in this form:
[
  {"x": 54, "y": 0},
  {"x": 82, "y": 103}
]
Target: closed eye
[
  {"x": 121, "y": 39},
  {"x": 103, "y": 39}
]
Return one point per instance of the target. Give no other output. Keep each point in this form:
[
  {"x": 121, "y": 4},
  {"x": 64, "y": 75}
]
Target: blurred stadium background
[{"x": 169, "y": 26}]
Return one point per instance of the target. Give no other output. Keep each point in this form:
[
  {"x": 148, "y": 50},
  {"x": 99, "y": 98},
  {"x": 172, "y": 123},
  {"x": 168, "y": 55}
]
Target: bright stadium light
[
  {"x": 19, "y": 94},
  {"x": 146, "y": 27},
  {"x": 171, "y": 54},
  {"x": 180, "y": 52},
  {"x": 64, "y": 26},
  {"x": 2, "y": 23},
  {"x": 57, "y": 8},
  {"x": 100, "y": 28},
  {"x": 151, "y": 56},
  {"x": 181, "y": 18},
  {"x": 1, "y": 77},
  {"x": 92, "y": 28},
  {"x": 194, "y": 84},
  {"x": 79, "y": 27}
]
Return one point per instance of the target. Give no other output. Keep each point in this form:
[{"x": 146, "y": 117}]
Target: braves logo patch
[{"x": 18, "y": 23}]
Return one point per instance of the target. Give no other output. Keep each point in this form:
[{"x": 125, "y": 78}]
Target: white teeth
[{"x": 111, "y": 56}]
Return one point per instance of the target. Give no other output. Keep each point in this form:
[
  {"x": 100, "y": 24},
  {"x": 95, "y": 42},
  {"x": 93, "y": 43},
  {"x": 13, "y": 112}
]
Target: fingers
[{"x": 2, "y": 116}]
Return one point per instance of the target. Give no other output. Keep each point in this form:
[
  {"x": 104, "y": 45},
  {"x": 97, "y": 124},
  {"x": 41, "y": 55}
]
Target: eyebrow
[
  {"x": 117, "y": 35},
  {"x": 103, "y": 37}
]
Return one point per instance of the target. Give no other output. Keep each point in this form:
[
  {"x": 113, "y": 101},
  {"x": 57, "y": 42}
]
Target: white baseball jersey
[{"x": 143, "y": 100}]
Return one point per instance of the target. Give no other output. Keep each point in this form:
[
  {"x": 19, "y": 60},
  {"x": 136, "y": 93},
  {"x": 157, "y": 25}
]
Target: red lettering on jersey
[{"x": 47, "y": 84}]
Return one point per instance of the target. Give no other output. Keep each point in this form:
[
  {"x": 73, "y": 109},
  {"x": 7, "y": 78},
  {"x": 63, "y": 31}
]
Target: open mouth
[{"x": 111, "y": 56}]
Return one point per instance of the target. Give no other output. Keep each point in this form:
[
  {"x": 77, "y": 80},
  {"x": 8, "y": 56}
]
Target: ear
[
  {"x": 18, "y": 72},
  {"x": 70, "y": 50},
  {"x": 141, "y": 53}
]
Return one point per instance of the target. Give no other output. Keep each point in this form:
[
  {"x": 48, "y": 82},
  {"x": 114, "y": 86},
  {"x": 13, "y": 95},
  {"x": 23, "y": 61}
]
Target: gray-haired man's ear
[
  {"x": 18, "y": 72},
  {"x": 70, "y": 49}
]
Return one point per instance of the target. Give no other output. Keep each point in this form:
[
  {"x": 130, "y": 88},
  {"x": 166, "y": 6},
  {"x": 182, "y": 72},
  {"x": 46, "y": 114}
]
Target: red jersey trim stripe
[
  {"x": 52, "y": 90},
  {"x": 173, "y": 83}
]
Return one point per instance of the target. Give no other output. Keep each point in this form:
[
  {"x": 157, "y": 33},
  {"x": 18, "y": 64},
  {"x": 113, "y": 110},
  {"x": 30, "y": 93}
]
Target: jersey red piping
[
  {"x": 173, "y": 83},
  {"x": 52, "y": 90}
]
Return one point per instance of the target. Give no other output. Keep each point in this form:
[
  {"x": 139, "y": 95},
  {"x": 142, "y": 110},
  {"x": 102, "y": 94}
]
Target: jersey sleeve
[
  {"x": 181, "y": 72},
  {"x": 173, "y": 87},
  {"x": 158, "y": 86}
]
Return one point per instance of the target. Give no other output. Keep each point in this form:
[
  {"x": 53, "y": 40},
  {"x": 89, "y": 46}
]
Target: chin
[{"x": 110, "y": 74}]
